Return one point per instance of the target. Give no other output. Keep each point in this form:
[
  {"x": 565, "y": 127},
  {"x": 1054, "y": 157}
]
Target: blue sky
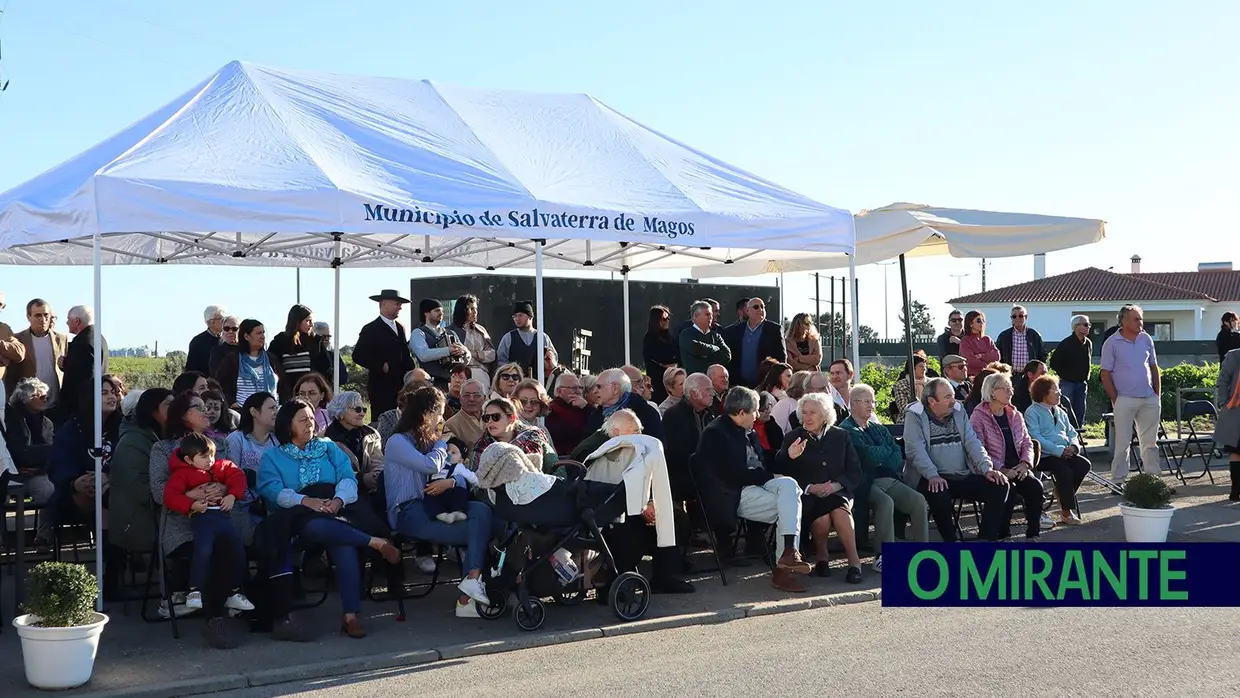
[{"x": 1124, "y": 111}]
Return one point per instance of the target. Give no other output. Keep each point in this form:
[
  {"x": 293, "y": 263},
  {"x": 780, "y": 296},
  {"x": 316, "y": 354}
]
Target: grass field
[{"x": 126, "y": 365}]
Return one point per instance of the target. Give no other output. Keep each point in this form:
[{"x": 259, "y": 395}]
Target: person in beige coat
[{"x": 804, "y": 344}]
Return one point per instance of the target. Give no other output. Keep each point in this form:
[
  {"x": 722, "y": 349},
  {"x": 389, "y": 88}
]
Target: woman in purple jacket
[{"x": 1001, "y": 428}]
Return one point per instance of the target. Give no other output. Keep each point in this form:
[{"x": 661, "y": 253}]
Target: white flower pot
[
  {"x": 1146, "y": 525},
  {"x": 59, "y": 658}
]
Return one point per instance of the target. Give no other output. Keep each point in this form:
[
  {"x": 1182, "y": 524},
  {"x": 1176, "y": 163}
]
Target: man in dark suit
[
  {"x": 43, "y": 348},
  {"x": 615, "y": 386},
  {"x": 79, "y": 363},
  {"x": 683, "y": 424},
  {"x": 200, "y": 347},
  {"x": 752, "y": 343},
  {"x": 383, "y": 350}
]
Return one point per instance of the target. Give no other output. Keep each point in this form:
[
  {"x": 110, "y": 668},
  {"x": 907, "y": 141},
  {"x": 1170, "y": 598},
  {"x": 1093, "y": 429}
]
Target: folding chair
[{"x": 1199, "y": 444}]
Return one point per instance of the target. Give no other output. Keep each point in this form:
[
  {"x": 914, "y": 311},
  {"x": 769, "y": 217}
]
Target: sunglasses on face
[
  {"x": 492, "y": 417},
  {"x": 530, "y": 401},
  {"x": 510, "y": 376},
  {"x": 1019, "y": 317},
  {"x": 231, "y": 329},
  {"x": 955, "y": 320},
  {"x": 359, "y": 409},
  {"x": 758, "y": 307}
]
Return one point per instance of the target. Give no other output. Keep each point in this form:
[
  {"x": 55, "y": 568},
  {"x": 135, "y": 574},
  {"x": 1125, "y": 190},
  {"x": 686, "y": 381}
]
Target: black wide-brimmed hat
[{"x": 389, "y": 294}]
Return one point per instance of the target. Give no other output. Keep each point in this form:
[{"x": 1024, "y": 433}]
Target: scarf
[
  {"x": 259, "y": 369},
  {"x": 1234, "y": 402},
  {"x": 307, "y": 460},
  {"x": 622, "y": 403}
]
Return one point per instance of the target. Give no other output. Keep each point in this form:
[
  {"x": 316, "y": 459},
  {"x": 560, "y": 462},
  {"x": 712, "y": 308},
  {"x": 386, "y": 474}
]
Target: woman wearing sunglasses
[
  {"x": 504, "y": 384},
  {"x": 361, "y": 442},
  {"x": 502, "y": 424}
]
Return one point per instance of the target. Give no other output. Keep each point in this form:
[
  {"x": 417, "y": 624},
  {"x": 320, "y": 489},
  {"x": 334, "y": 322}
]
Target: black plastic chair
[{"x": 1199, "y": 444}]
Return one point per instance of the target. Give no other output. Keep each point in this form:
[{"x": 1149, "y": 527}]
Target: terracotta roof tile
[{"x": 1098, "y": 285}]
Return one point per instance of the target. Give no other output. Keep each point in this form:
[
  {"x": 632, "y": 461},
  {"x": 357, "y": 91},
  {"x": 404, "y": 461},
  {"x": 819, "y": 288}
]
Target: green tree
[
  {"x": 923, "y": 323},
  {"x": 842, "y": 326}
]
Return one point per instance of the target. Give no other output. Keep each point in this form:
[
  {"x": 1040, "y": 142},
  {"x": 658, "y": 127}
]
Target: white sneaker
[
  {"x": 467, "y": 610},
  {"x": 193, "y": 601},
  {"x": 178, "y": 606},
  {"x": 446, "y": 517},
  {"x": 1047, "y": 522},
  {"x": 238, "y": 602},
  {"x": 425, "y": 565},
  {"x": 460, "y": 516},
  {"x": 474, "y": 589},
  {"x": 878, "y": 563}
]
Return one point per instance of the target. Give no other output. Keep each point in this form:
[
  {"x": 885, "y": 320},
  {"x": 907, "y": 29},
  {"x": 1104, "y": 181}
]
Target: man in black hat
[
  {"x": 437, "y": 350},
  {"x": 383, "y": 350},
  {"x": 520, "y": 345}
]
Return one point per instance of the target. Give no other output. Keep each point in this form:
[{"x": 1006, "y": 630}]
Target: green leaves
[{"x": 62, "y": 594}]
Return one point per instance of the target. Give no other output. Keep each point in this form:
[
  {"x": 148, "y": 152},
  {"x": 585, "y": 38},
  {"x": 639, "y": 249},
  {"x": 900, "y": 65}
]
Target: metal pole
[
  {"x": 781, "y": 300},
  {"x": 817, "y": 308},
  {"x": 97, "y": 453},
  {"x": 832, "y": 318},
  {"x": 983, "y": 277},
  {"x": 336, "y": 263},
  {"x": 908, "y": 324},
  {"x": 298, "y": 285},
  {"x": 844, "y": 316},
  {"x": 538, "y": 310},
  {"x": 856, "y": 316},
  {"x": 628, "y": 343}
]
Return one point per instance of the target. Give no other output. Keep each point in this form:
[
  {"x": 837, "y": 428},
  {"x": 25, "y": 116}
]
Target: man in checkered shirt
[{"x": 1020, "y": 344}]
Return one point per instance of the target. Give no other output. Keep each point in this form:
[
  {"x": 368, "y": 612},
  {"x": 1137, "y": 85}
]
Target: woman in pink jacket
[
  {"x": 976, "y": 348},
  {"x": 1001, "y": 428}
]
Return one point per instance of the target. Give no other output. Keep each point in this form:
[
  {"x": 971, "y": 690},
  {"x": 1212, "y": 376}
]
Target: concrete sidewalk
[{"x": 137, "y": 658}]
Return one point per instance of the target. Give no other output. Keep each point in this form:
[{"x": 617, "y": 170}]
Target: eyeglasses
[
  {"x": 471, "y": 395},
  {"x": 231, "y": 329},
  {"x": 198, "y": 408},
  {"x": 530, "y": 401},
  {"x": 359, "y": 409},
  {"x": 39, "y": 396},
  {"x": 1020, "y": 316},
  {"x": 759, "y": 306},
  {"x": 576, "y": 389},
  {"x": 510, "y": 376},
  {"x": 492, "y": 417},
  {"x": 954, "y": 320}
]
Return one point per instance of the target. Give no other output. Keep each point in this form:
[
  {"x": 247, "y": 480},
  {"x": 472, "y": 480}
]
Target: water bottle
[{"x": 564, "y": 565}]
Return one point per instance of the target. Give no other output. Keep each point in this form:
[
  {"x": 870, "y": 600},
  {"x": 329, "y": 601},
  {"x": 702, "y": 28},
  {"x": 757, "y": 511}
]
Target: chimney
[
  {"x": 1136, "y": 264},
  {"x": 1214, "y": 266},
  {"x": 1039, "y": 266}
]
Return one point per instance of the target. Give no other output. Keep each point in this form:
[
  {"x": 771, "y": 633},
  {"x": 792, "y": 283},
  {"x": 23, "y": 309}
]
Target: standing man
[
  {"x": 701, "y": 346},
  {"x": 520, "y": 345},
  {"x": 752, "y": 342},
  {"x": 437, "y": 350},
  {"x": 12, "y": 353},
  {"x": 742, "y": 311},
  {"x": 1131, "y": 378},
  {"x": 77, "y": 388},
  {"x": 1072, "y": 361},
  {"x": 949, "y": 341},
  {"x": 228, "y": 343},
  {"x": 43, "y": 347},
  {"x": 715, "y": 316},
  {"x": 201, "y": 346},
  {"x": 1020, "y": 344},
  {"x": 383, "y": 350}
]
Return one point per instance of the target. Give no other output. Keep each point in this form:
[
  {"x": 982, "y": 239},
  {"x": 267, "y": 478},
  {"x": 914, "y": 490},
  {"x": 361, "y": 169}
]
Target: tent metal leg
[
  {"x": 628, "y": 320},
  {"x": 539, "y": 326},
  {"x": 336, "y": 264},
  {"x": 97, "y": 452},
  {"x": 908, "y": 325},
  {"x": 856, "y": 316}
]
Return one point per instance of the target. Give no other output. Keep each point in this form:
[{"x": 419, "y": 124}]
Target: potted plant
[
  {"x": 1146, "y": 509},
  {"x": 60, "y": 631}
]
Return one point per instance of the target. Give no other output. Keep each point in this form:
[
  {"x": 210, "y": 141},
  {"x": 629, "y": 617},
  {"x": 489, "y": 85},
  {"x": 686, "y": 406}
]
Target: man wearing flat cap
[
  {"x": 955, "y": 371},
  {"x": 437, "y": 350},
  {"x": 520, "y": 345},
  {"x": 383, "y": 350}
]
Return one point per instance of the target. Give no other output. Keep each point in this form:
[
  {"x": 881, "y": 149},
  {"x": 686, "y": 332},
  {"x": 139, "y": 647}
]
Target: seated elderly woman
[
  {"x": 499, "y": 418},
  {"x": 415, "y": 455},
  {"x": 311, "y": 495},
  {"x": 1001, "y": 428},
  {"x": 736, "y": 485},
  {"x": 1051, "y": 427},
  {"x": 882, "y": 467},
  {"x": 29, "y": 438},
  {"x": 533, "y": 401},
  {"x": 674, "y": 385},
  {"x": 820, "y": 456},
  {"x": 504, "y": 382},
  {"x": 71, "y": 467},
  {"x": 361, "y": 443}
]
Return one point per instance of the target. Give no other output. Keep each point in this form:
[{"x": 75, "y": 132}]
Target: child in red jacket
[{"x": 192, "y": 465}]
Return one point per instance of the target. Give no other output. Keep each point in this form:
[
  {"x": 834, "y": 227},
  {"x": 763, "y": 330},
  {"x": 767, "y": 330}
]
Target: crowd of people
[{"x": 251, "y": 448}]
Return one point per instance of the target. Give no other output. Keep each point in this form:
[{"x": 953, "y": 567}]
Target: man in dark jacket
[
  {"x": 383, "y": 350},
  {"x": 700, "y": 343},
  {"x": 77, "y": 388},
  {"x": 683, "y": 424},
  {"x": 753, "y": 342},
  {"x": 615, "y": 393},
  {"x": 949, "y": 341},
  {"x": 200, "y": 347},
  {"x": 735, "y": 485},
  {"x": 1072, "y": 361},
  {"x": 1020, "y": 344}
]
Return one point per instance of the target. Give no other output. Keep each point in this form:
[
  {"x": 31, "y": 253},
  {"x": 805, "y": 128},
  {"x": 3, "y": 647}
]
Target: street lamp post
[
  {"x": 958, "y": 277},
  {"x": 886, "y": 307}
]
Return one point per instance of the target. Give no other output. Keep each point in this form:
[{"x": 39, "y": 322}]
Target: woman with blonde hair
[
  {"x": 506, "y": 379},
  {"x": 803, "y": 343},
  {"x": 533, "y": 402}
]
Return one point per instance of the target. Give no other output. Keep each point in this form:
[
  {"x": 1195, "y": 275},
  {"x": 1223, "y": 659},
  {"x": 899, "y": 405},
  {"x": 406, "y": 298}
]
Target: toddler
[{"x": 449, "y": 507}]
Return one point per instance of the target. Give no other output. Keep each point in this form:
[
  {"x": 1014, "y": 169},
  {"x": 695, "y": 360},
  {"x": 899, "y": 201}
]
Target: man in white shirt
[
  {"x": 43, "y": 348},
  {"x": 437, "y": 349}
]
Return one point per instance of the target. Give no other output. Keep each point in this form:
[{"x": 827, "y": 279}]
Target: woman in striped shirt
[{"x": 297, "y": 351}]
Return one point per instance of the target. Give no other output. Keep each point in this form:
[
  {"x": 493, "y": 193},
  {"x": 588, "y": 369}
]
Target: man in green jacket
[{"x": 700, "y": 345}]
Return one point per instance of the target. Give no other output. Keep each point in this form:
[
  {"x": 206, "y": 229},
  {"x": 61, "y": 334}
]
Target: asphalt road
[{"x": 854, "y": 650}]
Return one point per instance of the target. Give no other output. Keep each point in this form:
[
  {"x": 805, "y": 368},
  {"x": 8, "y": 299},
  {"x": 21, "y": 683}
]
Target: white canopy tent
[{"x": 271, "y": 167}]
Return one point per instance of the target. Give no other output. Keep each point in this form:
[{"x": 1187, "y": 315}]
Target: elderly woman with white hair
[
  {"x": 820, "y": 456},
  {"x": 361, "y": 442},
  {"x": 882, "y": 468},
  {"x": 1001, "y": 427},
  {"x": 29, "y": 438}
]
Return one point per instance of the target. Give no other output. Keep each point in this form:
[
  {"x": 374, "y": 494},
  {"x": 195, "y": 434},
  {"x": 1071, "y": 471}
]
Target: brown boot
[
  {"x": 792, "y": 562},
  {"x": 784, "y": 580}
]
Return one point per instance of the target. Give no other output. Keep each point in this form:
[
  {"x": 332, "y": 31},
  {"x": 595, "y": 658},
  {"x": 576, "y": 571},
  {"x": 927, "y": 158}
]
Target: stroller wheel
[
  {"x": 630, "y": 596},
  {"x": 530, "y": 615},
  {"x": 499, "y": 603}
]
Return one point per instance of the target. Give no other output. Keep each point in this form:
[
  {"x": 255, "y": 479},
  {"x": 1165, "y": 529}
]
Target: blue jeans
[
  {"x": 1075, "y": 392},
  {"x": 475, "y": 534},
  {"x": 455, "y": 499},
  {"x": 342, "y": 542},
  {"x": 208, "y": 527}
]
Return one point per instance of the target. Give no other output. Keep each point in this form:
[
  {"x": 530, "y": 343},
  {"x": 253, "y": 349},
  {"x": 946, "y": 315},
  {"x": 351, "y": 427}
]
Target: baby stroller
[{"x": 570, "y": 516}]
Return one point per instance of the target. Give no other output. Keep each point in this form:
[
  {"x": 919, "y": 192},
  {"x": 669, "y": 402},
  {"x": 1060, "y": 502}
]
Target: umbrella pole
[
  {"x": 856, "y": 316},
  {"x": 538, "y": 311},
  {"x": 97, "y": 452},
  {"x": 624, "y": 275},
  {"x": 908, "y": 325},
  {"x": 336, "y": 263}
]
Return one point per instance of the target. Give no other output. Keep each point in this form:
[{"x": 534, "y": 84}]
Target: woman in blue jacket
[{"x": 1049, "y": 425}]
